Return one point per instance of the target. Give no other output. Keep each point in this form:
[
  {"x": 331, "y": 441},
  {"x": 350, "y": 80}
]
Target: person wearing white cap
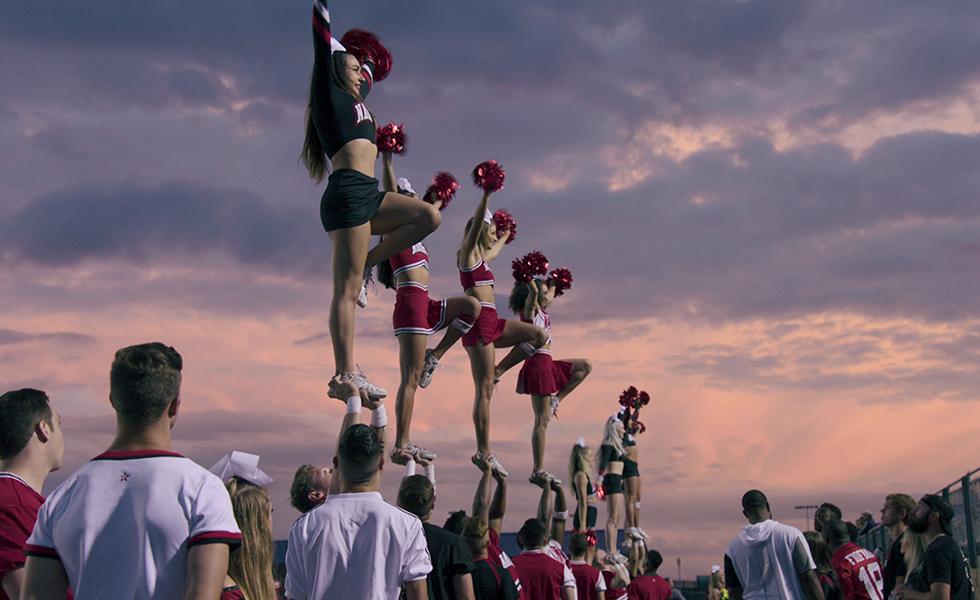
[{"x": 250, "y": 566}]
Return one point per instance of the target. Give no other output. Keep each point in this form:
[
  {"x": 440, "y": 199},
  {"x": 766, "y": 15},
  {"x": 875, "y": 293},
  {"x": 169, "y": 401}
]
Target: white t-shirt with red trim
[
  {"x": 122, "y": 524},
  {"x": 355, "y": 547}
]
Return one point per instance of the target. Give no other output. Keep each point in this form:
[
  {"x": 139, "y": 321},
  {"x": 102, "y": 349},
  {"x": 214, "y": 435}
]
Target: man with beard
[{"x": 945, "y": 574}]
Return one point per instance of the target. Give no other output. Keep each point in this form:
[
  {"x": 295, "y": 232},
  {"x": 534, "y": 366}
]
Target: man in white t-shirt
[
  {"x": 769, "y": 560},
  {"x": 355, "y": 545},
  {"x": 138, "y": 521}
]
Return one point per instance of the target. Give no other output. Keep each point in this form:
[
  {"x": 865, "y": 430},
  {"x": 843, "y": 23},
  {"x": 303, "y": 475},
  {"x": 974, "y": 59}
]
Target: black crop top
[
  {"x": 608, "y": 454},
  {"x": 337, "y": 116}
]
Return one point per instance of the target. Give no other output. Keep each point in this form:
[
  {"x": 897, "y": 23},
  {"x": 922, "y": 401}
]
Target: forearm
[
  {"x": 811, "y": 586},
  {"x": 481, "y": 501},
  {"x": 388, "y": 180},
  {"x": 498, "y": 506}
]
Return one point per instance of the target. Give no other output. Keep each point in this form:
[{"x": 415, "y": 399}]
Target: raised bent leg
[
  {"x": 410, "y": 357},
  {"x": 403, "y": 221},
  {"x": 518, "y": 332},
  {"x": 464, "y": 309},
  {"x": 581, "y": 367},
  {"x": 349, "y": 249}
]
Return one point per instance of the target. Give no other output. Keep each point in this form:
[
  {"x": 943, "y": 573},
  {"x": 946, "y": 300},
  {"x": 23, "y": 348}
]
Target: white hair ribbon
[
  {"x": 580, "y": 442},
  {"x": 406, "y": 185},
  {"x": 242, "y": 465},
  {"x": 488, "y": 218}
]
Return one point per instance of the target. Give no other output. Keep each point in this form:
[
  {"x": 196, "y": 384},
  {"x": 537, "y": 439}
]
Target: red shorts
[
  {"x": 543, "y": 376},
  {"x": 416, "y": 313},
  {"x": 487, "y": 326}
]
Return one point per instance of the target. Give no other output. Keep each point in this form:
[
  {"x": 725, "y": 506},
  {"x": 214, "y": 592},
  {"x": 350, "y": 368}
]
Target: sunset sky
[{"x": 771, "y": 211}]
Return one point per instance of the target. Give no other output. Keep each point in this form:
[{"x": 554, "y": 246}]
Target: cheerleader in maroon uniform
[
  {"x": 417, "y": 316},
  {"x": 481, "y": 244},
  {"x": 547, "y": 381}
]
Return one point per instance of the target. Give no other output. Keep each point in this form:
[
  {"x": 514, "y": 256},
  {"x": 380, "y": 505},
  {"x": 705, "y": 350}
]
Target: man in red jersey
[
  {"x": 543, "y": 577},
  {"x": 858, "y": 571},
  {"x": 650, "y": 586},
  {"x": 589, "y": 581},
  {"x": 31, "y": 446}
]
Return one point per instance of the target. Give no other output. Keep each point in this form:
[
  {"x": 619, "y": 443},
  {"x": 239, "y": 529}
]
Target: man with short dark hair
[
  {"x": 355, "y": 545},
  {"x": 138, "y": 520},
  {"x": 769, "y": 560},
  {"x": 31, "y": 446},
  {"x": 542, "y": 577},
  {"x": 452, "y": 563},
  {"x": 826, "y": 512},
  {"x": 650, "y": 586},
  {"x": 858, "y": 571},
  {"x": 589, "y": 582},
  {"x": 945, "y": 573},
  {"x": 895, "y": 516},
  {"x": 310, "y": 487}
]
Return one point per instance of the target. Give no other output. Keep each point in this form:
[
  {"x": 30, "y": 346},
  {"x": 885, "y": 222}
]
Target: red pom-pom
[
  {"x": 444, "y": 187},
  {"x": 628, "y": 397},
  {"x": 392, "y": 138},
  {"x": 489, "y": 176},
  {"x": 563, "y": 280},
  {"x": 505, "y": 222},
  {"x": 531, "y": 264},
  {"x": 366, "y": 46},
  {"x": 643, "y": 399},
  {"x": 592, "y": 537},
  {"x": 521, "y": 274},
  {"x": 639, "y": 427}
]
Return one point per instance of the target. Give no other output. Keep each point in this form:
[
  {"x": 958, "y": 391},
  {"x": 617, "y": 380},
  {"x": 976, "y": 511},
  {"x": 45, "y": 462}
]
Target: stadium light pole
[{"x": 807, "y": 507}]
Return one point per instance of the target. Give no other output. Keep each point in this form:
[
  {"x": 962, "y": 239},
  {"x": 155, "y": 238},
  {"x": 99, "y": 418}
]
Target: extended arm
[
  {"x": 545, "y": 506},
  {"x": 388, "y": 181},
  {"x": 481, "y": 501},
  {"x": 468, "y": 247},
  {"x": 497, "y": 246},
  {"x": 559, "y": 515},
  {"x": 498, "y": 506},
  {"x": 531, "y": 302},
  {"x": 348, "y": 393}
]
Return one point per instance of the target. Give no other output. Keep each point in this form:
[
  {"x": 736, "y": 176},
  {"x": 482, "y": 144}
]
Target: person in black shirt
[
  {"x": 490, "y": 581},
  {"x": 452, "y": 563},
  {"x": 945, "y": 571}
]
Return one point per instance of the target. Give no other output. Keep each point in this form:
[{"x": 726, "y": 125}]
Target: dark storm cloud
[
  {"x": 143, "y": 223},
  {"x": 783, "y": 233}
]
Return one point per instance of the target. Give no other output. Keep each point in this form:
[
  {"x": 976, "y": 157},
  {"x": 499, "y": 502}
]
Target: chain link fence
[{"x": 964, "y": 496}]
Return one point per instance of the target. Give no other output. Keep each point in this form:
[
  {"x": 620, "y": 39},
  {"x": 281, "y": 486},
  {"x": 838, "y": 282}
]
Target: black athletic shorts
[
  {"x": 590, "y": 518},
  {"x": 351, "y": 199},
  {"x": 612, "y": 483},
  {"x": 630, "y": 469}
]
